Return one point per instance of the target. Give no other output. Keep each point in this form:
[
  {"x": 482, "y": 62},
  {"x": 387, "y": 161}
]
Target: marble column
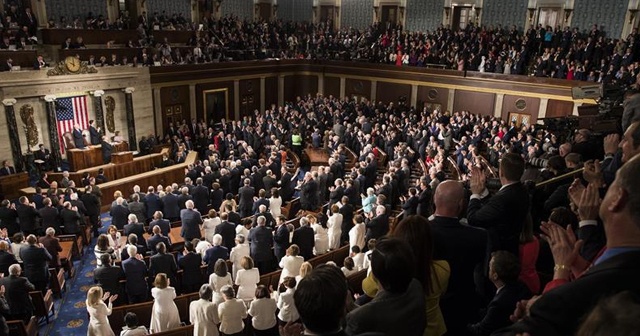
[
  {"x": 131, "y": 120},
  {"x": 97, "y": 107},
  {"x": 54, "y": 141},
  {"x": 14, "y": 136}
]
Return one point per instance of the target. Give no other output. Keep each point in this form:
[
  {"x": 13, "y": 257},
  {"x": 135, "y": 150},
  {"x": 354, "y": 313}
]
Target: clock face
[{"x": 72, "y": 63}]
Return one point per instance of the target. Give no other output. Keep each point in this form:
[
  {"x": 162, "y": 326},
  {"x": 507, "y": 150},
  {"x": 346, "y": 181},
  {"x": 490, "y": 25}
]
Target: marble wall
[
  {"x": 505, "y": 12},
  {"x": 29, "y": 87},
  {"x": 295, "y": 10},
  {"x": 357, "y": 13},
  {"x": 424, "y": 15},
  {"x": 241, "y": 8},
  {"x": 71, "y": 9}
]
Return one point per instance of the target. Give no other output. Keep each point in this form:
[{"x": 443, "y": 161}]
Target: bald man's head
[{"x": 448, "y": 199}]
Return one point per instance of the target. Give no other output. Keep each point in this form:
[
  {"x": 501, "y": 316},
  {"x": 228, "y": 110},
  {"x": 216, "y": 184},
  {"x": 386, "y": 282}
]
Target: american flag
[{"x": 71, "y": 111}]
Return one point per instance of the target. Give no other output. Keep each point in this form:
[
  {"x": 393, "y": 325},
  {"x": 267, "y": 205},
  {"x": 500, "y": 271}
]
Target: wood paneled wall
[
  {"x": 391, "y": 92},
  {"x": 558, "y": 108},
  {"x": 201, "y": 88},
  {"x": 475, "y": 102},
  {"x": 300, "y": 85},
  {"x": 357, "y": 87},
  {"x": 433, "y": 95},
  {"x": 520, "y": 104},
  {"x": 332, "y": 86},
  {"x": 270, "y": 91}
]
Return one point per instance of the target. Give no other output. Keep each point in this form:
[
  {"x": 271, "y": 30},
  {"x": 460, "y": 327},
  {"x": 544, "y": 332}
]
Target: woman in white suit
[
  {"x": 357, "y": 232},
  {"x": 164, "y": 314},
  {"x": 203, "y": 314},
  {"x": 335, "y": 227},
  {"x": 275, "y": 203},
  {"x": 291, "y": 263},
  {"x": 98, "y": 312},
  {"x": 232, "y": 311},
  {"x": 238, "y": 252},
  {"x": 321, "y": 236},
  {"x": 247, "y": 280},
  {"x": 263, "y": 313}
]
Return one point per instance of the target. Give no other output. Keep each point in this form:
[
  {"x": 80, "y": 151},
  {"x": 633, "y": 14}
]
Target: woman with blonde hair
[
  {"x": 305, "y": 269},
  {"x": 98, "y": 311},
  {"x": 164, "y": 314},
  {"x": 247, "y": 280},
  {"x": 291, "y": 263}
]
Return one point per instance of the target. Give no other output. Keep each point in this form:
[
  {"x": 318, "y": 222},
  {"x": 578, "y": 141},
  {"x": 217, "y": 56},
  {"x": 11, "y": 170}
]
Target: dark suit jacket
[
  {"x": 52, "y": 244},
  {"x": 497, "y": 314},
  {"x": 70, "y": 220},
  {"x": 377, "y": 227},
  {"x": 190, "y": 264},
  {"x": 152, "y": 203},
  {"x": 281, "y": 241},
  {"x": 503, "y": 216},
  {"x": 170, "y": 206},
  {"x": 94, "y": 135},
  {"x": 6, "y": 259},
  {"x": 182, "y": 201},
  {"x": 154, "y": 240},
  {"x": 165, "y": 226},
  {"x": 35, "y": 263},
  {"x": 309, "y": 195},
  {"x": 138, "y": 209},
  {"x": 286, "y": 187},
  {"x": 304, "y": 238},
  {"x": 164, "y": 263},
  {"x": 261, "y": 239},
  {"x": 119, "y": 214},
  {"x": 8, "y": 220},
  {"x": 200, "y": 196},
  {"x": 78, "y": 139},
  {"x": 245, "y": 197},
  {"x": 191, "y": 221},
  {"x": 27, "y": 216},
  {"x": 17, "y": 294},
  {"x": 228, "y": 232},
  {"x": 4, "y": 172},
  {"x": 234, "y": 217},
  {"x": 137, "y": 229},
  {"x": 410, "y": 206},
  {"x": 135, "y": 271},
  {"x": 336, "y": 195},
  {"x": 108, "y": 277},
  {"x": 91, "y": 203},
  {"x": 464, "y": 248},
  {"x": 561, "y": 310},
  {"x": 216, "y": 198},
  {"x": 213, "y": 254}
]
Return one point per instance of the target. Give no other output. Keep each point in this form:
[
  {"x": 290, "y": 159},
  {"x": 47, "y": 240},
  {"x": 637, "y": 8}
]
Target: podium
[
  {"x": 122, "y": 157},
  {"x": 91, "y": 156},
  {"x": 10, "y": 185}
]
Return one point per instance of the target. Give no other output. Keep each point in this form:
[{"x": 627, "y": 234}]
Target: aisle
[{"x": 71, "y": 314}]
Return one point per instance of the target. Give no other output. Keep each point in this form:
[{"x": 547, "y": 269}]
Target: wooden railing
[{"x": 570, "y": 175}]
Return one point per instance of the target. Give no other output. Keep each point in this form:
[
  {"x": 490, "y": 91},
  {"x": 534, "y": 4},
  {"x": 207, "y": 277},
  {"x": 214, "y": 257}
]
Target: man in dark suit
[
  {"x": 27, "y": 215},
  {"x": 269, "y": 182},
  {"x": 503, "y": 215},
  {"x": 137, "y": 208},
  {"x": 159, "y": 221},
  {"x": 170, "y": 207},
  {"x": 377, "y": 226},
  {"x": 217, "y": 251},
  {"x": 464, "y": 248},
  {"x": 286, "y": 186},
  {"x": 6, "y": 258},
  {"x": 227, "y": 230},
  {"x": 163, "y": 262},
  {"x": 107, "y": 149},
  {"x": 504, "y": 269},
  {"x": 44, "y": 155},
  {"x": 8, "y": 217},
  {"x": 336, "y": 191},
  {"x": 94, "y": 133},
  {"x": 191, "y": 221},
  {"x": 189, "y": 262},
  {"x": 157, "y": 238},
  {"x": 308, "y": 193},
  {"x": 152, "y": 203},
  {"x": 52, "y": 245},
  {"x": 17, "y": 290},
  {"x": 280, "y": 238},
  {"x": 304, "y": 238},
  {"x": 135, "y": 271},
  {"x": 261, "y": 239},
  {"x": 35, "y": 259},
  {"x": 92, "y": 205},
  {"x": 260, "y": 201},
  {"x": 561, "y": 310},
  {"x": 410, "y": 205},
  {"x": 7, "y": 169},
  {"x": 119, "y": 214},
  {"x": 245, "y": 196},
  {"x": 133, "y": 226},
  {"x": 183, "y": 197},
  {"x": 108, "y": 277},
  {"x": 347, "y": 212},
  {"x": 264, "y": 212},
  {"x": 424, "y": 198},
  {"x": 200, "y": 195},
  {"x": 78, "y": 138}
]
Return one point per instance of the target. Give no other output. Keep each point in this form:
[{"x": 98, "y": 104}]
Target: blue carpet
[{"x": 71, "y": 313}]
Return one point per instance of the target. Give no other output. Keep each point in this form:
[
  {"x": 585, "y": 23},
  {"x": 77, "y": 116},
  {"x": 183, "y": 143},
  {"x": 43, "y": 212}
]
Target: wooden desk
[
  {"x": 22, "y": 58},
  {"x": 90, "y": 156},
  {"x": 177, "y": 241},
  {"x": 10, "y": 185},
  {"x": 122, "y": 157}
]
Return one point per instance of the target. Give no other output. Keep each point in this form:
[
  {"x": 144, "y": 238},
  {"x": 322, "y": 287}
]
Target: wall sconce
[
  {"x": 632, "y": 14},
  {"x": 478, "y": 11},
  {"x": 567, "y": 14},
  {"x": 447, "y": 12},
  {"x": 531, "y": 12}
]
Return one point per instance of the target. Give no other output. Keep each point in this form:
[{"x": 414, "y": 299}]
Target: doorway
[
  {"x": 216, "y": 105},
  {"x": 172, "y": 114},
  {"x": 389, "y": 16},
  {"x": 462, "y": 16},
  {"x": 265, "y": 11},
  {"x": 521, "y": 119},
  {"x": 549, "y": 16}
]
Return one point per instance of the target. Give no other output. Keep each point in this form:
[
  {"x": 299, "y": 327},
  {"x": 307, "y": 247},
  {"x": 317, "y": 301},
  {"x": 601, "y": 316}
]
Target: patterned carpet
[{"x": 71, "y": 314}]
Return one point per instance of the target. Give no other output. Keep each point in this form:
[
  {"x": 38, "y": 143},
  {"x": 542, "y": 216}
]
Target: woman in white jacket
[
  {"x": 357, "y": 232},
  {"x": 247, "y": 280},
  {"x": 232, "y": 311},
  {"x": 98, "y": 312},
  {"x": 203, "y": 314},
  {"x": 263, "y": 313},
  {"x": 335, "y": 227},
  {"x": 275, "y": 203},
  {"x": 321, "y": 236},
  {"x": 291, "y": 263}
]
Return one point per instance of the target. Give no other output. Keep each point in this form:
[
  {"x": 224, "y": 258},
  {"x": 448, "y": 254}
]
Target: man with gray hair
[
  {"x": 308, "y": 192},
  {"x": 17, "y": 290},
  {"x": 119, "y": 213},
  {"x": 304, "y": 238},
  {"x": 135, "y": 227},
  {"x": 135, "y": 271},
  {"x": 261, "y": 239},
  {"x": 377, "y": 226},
  {"x": 191, "y": 221},
  {"x": 52, "y": 245}
]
